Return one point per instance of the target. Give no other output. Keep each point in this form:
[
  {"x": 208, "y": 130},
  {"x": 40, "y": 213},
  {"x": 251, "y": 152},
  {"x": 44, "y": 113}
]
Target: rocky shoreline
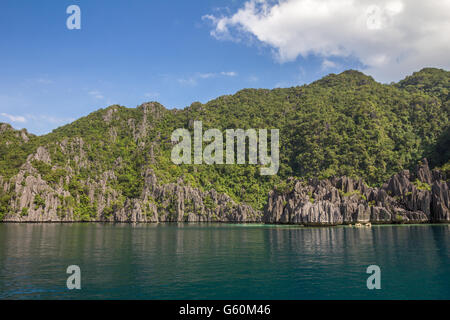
[
  {"x": 421, "y": 196},
  {"x": 418, "y": 197}
]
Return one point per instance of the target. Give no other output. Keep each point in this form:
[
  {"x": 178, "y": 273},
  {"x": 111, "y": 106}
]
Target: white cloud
[
  {"x": 229, "y": 74},
  {"x": 96, "y": 94},
  {"x": 49, "y": 119},
  {"x": 187, "y": 82},
  {"x": 391, "y": 38},
  {"x": 151, "y": 95},
  {"x": 328, "y": 64},
  {"x": 44, "y": 81},
  {"x": 206, "y": 75},
  {"x": 13, "y": 118},
  {"x": 193, "y": 80},
  {"x": 36, "y": 118}
]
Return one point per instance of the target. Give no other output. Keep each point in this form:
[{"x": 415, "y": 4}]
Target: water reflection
[{"x": 221, "y": 261}]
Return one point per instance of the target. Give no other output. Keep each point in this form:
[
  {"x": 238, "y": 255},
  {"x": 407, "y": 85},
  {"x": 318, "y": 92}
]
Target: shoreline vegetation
[
  {"x": 340, "y": 202},
  {"x": 351, "y": 151}
]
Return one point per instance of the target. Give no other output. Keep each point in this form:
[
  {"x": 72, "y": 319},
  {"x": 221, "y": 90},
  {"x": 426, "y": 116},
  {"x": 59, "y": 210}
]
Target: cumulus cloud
[
  {"x": 391, "y": 38},
  {"x": 12, "y": 118},
  {"x": 328, "y": 64}
]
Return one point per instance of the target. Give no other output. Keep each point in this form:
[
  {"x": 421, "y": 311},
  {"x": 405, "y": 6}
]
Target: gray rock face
[
  {"x": 22, "y": 133},
  {"x": 48, "y": 190},
  {"x": 405, "y": 198},
  {"x": 37, "y": 201},
  {"x": 440, "y": 201},
  {"x": 179, "y": 203},
  {"x": 418, "y": 197}
]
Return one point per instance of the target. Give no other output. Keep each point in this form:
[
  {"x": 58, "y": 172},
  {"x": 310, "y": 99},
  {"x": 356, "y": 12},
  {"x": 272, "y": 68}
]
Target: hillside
[{"x": 114, "y": 164}]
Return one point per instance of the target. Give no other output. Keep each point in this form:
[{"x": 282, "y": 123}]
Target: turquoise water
[{"x": 223, "y": 261}]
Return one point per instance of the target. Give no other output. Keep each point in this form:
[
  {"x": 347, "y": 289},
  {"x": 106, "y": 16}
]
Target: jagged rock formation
[
  {"x": 47, "y": 190},
  {"x": 115, "y": 163},
  {"x": 37, "y": 201},
  {"x": 422, "y": 196},
  {"x": 17, "y": 136}
]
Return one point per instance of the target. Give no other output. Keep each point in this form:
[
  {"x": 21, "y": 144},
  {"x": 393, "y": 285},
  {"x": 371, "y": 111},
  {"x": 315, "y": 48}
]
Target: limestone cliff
[
  {"x": 418, "y": 197},
  {"x": 38, "y": 201},
  {"x": 115, "y": 163}
]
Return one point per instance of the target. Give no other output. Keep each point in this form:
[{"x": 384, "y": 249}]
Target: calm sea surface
[{"x": 223, "y": 261}]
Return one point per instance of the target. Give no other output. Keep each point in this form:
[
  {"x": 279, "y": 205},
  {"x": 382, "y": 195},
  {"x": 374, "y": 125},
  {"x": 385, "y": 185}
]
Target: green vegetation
[
  {"x": 285, "y": 186},
  {"x": 399, "y": 219},
  {"x": 39, "y": 202},
  {"x": 4, "y": 203},
  {"x": 446, "y": 169},
  {"x": 209, "y": 203},
  {"x": 429, "y": 80},
  {"x": 85, "y": 211},
  {"x": 422, "y": 185},
  {"x": 344, "y": 124},
  {"x": 24, "y": 212},
  {"x": 352, "y": 193}
]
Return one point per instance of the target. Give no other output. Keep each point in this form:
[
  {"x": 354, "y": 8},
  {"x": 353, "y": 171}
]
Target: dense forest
[{"x": 344, "y": 124}]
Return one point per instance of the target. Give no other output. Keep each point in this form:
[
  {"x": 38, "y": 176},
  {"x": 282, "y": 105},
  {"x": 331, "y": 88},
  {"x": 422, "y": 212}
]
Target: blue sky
[{"x": 173, "y": 52}]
